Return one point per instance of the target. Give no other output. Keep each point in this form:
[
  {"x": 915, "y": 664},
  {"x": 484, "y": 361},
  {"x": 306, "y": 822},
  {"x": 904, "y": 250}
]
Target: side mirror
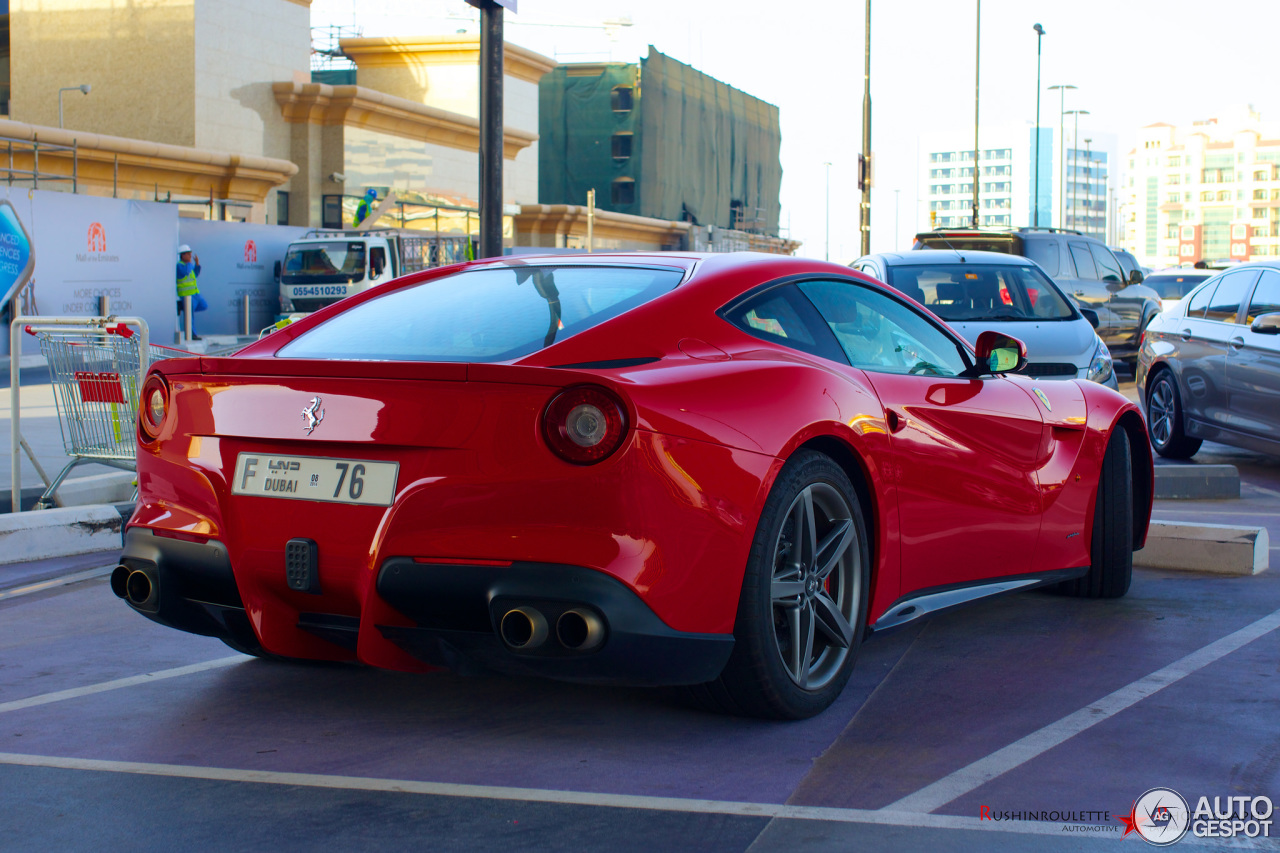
[
  {"x": 999, "y": 353},
  {"x": 1135, "y": 276},
  {"x": 1090, "y": 315},
  {"x": 1267, "y": 324},
  {"x": 275, "y": 270}
]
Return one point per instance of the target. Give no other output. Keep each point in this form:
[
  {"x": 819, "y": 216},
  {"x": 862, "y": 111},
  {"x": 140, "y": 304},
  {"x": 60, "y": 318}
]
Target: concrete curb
[
  {"x": 1197, "y": 482},
  {"x": 1218, "y": 548},
  {"x": 29, "y": 536},
  {"x": 111, "y": 487}
]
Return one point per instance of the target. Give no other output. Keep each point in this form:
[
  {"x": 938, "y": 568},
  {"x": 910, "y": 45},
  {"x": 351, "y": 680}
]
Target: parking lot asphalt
[{"x": 116, "y": 733}]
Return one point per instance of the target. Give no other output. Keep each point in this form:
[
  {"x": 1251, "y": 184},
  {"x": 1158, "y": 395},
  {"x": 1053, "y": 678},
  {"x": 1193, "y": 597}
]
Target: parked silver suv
[{"x": 1081, "y": 265}]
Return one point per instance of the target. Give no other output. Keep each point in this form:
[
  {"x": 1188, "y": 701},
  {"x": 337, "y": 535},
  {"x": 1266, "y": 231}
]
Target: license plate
[{"x": 311, "y": 478}]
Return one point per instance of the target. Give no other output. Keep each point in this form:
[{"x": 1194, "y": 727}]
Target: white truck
[{"x": 328, "y": 265}]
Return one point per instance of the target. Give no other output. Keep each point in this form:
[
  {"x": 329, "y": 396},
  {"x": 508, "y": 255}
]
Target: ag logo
[
  {"x": 97, "y": 238},
  {"x": 250, "y": 251},
  {"x": 1160, "y": 817}
]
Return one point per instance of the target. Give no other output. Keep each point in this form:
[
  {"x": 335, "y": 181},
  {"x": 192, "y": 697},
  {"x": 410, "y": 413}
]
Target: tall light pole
[
  {"x": 1075, "y": 147},
  {"x": 1062, "y": 175},
  {"x": 865, "y": 222},
  {"x": 1035, "y": 203},
  {"x": 827, "y": 249},
  {"x": 82, "y": 89},
  {"x": 1088, "y": 187},
  {"x": 977, "y": 66}
]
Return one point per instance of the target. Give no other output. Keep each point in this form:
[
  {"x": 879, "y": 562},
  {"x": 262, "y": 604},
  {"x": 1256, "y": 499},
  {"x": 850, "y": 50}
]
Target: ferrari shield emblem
[{"x": 1044, "y": 398}]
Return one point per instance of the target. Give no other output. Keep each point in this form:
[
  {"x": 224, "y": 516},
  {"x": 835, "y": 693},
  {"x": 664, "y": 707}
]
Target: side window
[
  {"x": 377, "y": 261},
  {"x": 1044, "y": 253},
  {"x": 1200, "y": 301},
  {"x": 879, "y": 333},
  {"x": 1084, "y": 261},
  {"x": 1108, "y": 269},
  {"x": 1266, "y": 296},
  {"x": 783, "y": 316},
  {"x": 1225, "y": 303}
]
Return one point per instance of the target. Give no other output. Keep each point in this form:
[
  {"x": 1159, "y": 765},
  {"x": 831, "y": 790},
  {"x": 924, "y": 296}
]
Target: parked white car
[{"x": 975, "y": 291}]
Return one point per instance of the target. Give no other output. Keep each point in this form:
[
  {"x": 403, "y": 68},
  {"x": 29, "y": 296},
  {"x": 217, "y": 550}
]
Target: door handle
[
  {"x": 1236, "y": 343},
  {"x": 1079, "y": 293},
  {"x": 1185, "y": 334},
  {"x": 895, "y": 421}
]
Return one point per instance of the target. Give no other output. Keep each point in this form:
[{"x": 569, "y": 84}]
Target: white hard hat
[{"x": 183, "y": 248}]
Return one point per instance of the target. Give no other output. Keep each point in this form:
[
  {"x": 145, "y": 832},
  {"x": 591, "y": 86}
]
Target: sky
[{"x": 1135, "y": 62}]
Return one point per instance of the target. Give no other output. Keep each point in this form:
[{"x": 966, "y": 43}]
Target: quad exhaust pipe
[
  {"x": 525, "y": 628},
  {"x": 580, "y": 630},
  {"x": 136, "y": 586}
]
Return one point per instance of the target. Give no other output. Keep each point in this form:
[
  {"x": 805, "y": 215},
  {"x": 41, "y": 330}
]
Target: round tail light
[
  {"x": 153, "y": 408},
  {"x": 584, "y": 425}
]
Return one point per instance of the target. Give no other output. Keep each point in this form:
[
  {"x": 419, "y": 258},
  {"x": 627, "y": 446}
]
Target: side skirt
[{"x": 937, "y": 599}]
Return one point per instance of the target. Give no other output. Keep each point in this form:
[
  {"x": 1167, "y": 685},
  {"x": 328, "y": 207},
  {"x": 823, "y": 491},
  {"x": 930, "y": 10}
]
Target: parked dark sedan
[{"x": 1209, "y": 369}]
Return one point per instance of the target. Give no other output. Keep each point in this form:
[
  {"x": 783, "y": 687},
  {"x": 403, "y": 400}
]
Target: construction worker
[
  {"x": 365, "y": 207},
  {"x": 188, "y": 270}
]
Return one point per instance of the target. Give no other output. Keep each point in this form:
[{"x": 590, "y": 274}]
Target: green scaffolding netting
[{"x": 698, "y": 148}]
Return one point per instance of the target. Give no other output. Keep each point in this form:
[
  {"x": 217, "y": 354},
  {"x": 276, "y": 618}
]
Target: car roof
[{"x": 937, "y": 257}]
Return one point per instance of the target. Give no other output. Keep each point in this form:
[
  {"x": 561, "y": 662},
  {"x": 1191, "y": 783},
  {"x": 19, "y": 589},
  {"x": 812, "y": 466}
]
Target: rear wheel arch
[
  {"x": 854, "y": 467},
  {"x": 1140, "y": 463}
]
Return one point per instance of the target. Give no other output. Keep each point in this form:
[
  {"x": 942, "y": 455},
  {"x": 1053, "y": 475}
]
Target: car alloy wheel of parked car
[{"x": 1164, "y": 410}]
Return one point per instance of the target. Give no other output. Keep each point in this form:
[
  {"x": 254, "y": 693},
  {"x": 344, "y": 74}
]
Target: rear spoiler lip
[{"x": 438, "y": 371}]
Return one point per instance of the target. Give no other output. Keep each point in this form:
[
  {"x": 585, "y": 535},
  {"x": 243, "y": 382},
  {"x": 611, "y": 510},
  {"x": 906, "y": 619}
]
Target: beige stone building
[
  {"x": 1208, "y": 191},
  {"x": 213, "y": 105}
]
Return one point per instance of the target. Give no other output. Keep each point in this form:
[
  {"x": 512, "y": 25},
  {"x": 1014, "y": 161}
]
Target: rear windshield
[
  {"x": 1173, "y": 286},
  {"x": 482, "y": 315},
  {"x": 1006, "y": 244},
  {"x": 963, "y": 292}
]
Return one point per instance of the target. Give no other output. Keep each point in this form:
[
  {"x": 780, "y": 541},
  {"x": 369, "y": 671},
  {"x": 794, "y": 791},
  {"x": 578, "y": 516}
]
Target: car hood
[{"x": 1046, "y": 340}]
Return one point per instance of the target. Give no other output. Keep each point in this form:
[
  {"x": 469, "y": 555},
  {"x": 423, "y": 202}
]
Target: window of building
[
  {"x": 1175, "y": 179},
  {"x": 621, "y": 99},
  {"x": 1206, "y": 196},
  {"x": 1262, "y": 175},
  {"x": 622, "y": 146},
  {"x": 282, "y": 207},
  {"x": 1173, "y": 161},
  {"x": 1224, "y": 195},
  {"x": 622, "y": 191}
]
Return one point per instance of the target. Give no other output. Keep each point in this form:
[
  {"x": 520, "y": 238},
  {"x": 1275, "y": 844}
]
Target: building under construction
[{"x": 661, "y": 140}]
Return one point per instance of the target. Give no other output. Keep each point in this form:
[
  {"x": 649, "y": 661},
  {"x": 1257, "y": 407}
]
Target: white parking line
[
  {"x": 117, "y": 684},
  {"x": 62, "y": 581},
  {"x": 1272, "y": 492},
  {"x": 538, "y": 795},
  {"x": 1019, "y": 752}
]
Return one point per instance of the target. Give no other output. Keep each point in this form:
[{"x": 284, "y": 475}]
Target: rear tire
[
  {"x": 1111, "y": 551},
  {"x": 1164, "y": 414},
  {"x": 803, "y": 607}
]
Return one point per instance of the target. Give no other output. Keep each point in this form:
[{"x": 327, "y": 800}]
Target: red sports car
[{"x": 722, "y": 471}]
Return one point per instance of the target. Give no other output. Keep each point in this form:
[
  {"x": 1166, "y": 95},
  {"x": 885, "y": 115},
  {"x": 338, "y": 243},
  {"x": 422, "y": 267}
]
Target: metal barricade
[{"x": 96, "y": 366}]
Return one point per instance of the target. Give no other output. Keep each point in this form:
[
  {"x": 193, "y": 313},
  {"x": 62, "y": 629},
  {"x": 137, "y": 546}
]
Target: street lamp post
[
  {"x": 1075, "y": 143},
  {"x": 83, "y": 89},
  {"x": 827, "y": 245},
  {"x": 1088, "y": 187},
  {"x": 977, "y": 67},
  {"x": 1062, "y": 177},
  {"x": 865, "y": 219},
  {"x": 1035, "y": 202}
]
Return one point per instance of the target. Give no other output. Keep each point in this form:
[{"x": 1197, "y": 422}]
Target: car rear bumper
[
  {"x": 458, "y": 611},
  {"x": 454, "y": 612}
]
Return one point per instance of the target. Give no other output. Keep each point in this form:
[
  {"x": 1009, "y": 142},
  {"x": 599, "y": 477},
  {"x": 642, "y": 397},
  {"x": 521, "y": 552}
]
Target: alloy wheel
[
  {"x": 816, "y": 586},
  {"x": 1160, "y": 410}
]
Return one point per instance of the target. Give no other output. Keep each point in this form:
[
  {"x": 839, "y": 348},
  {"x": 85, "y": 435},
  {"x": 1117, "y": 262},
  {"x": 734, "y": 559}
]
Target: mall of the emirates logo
[
  {"x": 1159, "y": 817},
  {"x": 96, "y": 243}
]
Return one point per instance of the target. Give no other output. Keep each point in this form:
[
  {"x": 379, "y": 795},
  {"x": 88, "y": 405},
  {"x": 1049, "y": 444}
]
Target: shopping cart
[{"x": 97, "y": 371}]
